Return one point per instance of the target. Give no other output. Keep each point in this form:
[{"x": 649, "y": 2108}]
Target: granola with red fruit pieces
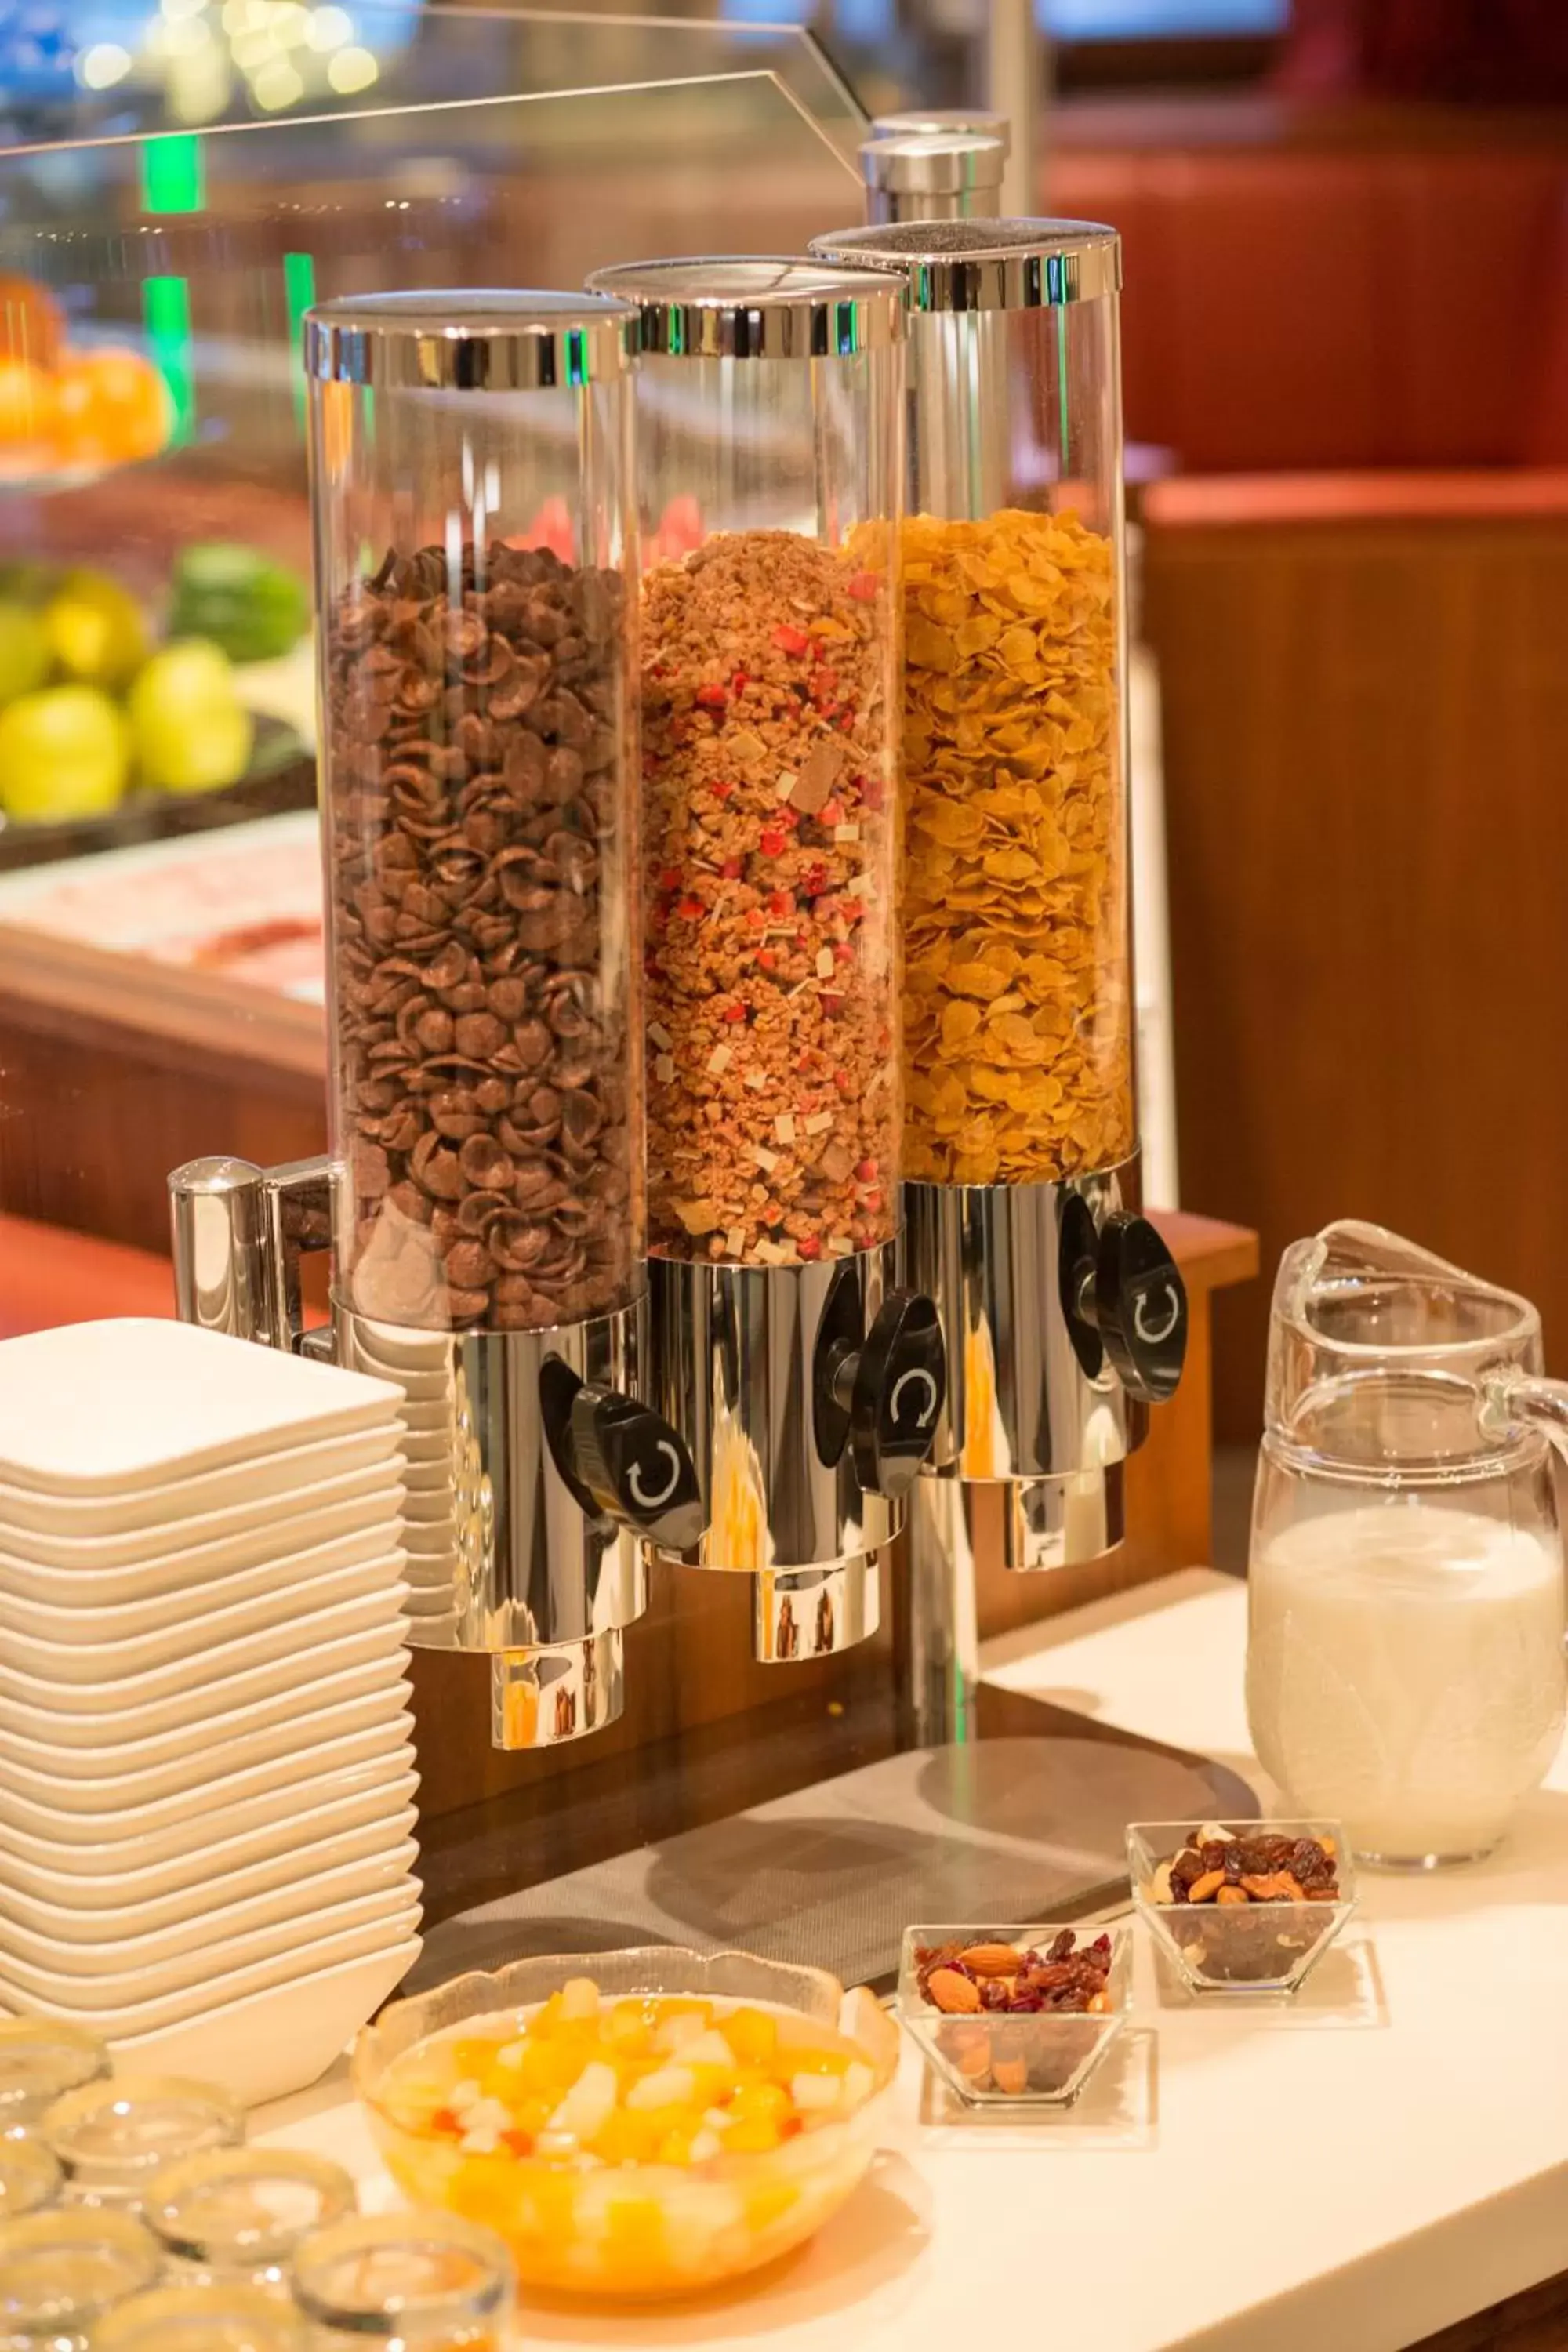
[{"x": 768, "y": 706}]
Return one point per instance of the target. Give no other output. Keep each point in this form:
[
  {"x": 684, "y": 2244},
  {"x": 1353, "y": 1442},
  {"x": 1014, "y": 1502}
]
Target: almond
[
  {"x": 991, "y": 1959},
  {"x": 1011, "y": 2076},
  {"x": 1232, "y": 1894},
  {"x": 954, "y": 1995},
  {"x": 1202, "y": 1889}
]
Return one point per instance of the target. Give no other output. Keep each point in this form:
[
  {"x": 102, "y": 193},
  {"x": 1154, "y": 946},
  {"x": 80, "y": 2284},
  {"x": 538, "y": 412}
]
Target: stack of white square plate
[
  {"x": 435, "y": 1440},
  {"x": 206, "y": 1780}
]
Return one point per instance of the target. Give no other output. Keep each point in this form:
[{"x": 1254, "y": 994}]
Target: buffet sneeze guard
[{"x": 1064, "y": 1313}]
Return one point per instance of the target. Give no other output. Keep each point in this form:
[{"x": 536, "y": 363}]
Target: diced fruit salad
[{"x": 651, "y": 2078}]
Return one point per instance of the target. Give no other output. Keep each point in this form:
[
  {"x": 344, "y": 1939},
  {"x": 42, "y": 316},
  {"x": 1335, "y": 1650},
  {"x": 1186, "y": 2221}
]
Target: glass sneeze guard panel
[{"x": 203, "y": 64}]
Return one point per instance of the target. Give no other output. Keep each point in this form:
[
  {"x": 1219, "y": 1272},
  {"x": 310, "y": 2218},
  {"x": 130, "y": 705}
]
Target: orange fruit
[
  {"x": 113, "y": 406},
  {"x": 30, "y": 326},
  {"x": 28, "y": 403}
]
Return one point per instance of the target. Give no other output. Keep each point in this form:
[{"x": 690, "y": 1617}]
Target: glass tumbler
[
  {"x": 40, "y": 2061},
  {"x": 235, "y": 2216},
  {"x": 112, "y": 2138},
  {"x": 60, "y": 2272},
  {"x": 29, "y": 2177},
  {"x": 1405, "y": 1668},
  {"x": 201, "y": 2319},
  {"x": 407, "y": 2283}
]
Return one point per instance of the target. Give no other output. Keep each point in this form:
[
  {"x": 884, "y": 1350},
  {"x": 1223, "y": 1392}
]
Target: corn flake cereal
[{"x": 1018, "y": 1066}]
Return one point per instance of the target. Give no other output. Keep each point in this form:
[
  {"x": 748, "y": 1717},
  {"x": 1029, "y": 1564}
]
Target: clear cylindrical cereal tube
[
  {"x": 1018, "y": 1002},
  {"x": 475, "y": 565},
  {"x": 770, "y": 414}
]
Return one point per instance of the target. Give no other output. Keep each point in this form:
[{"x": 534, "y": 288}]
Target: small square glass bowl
[
  {"x": 1239, "y": 1947},
  {"x": 1041, "y": 2058}
]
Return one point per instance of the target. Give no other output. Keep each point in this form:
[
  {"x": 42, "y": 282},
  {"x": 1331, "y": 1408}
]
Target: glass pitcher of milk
[{"x": 1406, "y": 1670}]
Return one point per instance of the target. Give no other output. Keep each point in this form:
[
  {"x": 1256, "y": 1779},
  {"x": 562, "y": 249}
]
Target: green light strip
[
  {"x": 299, "y": 292},
  {"x": 167, "y": 309},
  {"x": 172, "y": 175}
]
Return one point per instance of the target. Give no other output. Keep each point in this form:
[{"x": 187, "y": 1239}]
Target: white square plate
[
  {"x": 177, "y": 1859},
  {"x": 364, "y": 1762},
  {"x": 134, "y": 1600},
  {"x": 76, "y": 1678},
  {"x": 243, "y": 1486},
  {"x": 120, "y": 1935},
  {"x": 269, "y": 2043},
  {"x": 390, "y": 1351},
  {"x": 70, "y": 1715},
  {"x": 82, "y": 2002},
  {"x": 146, "y": 1968},
  {"x": 143, "y": 1770},
  {"x": 96, "y": 1407},
  {"x": 121, "y": 1641},
  {"x": 114, "y": 1805},
  {"x": 214, "y": 1616},
  {"x": 188, "y": 1886},
  {"x": 327, "y": 1506}
]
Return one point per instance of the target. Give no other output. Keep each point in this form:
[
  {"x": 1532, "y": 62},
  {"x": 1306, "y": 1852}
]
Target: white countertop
[{"x": 1358, "y": 2171}]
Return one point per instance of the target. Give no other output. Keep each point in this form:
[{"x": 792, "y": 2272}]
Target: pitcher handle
[{"x": 1513, "y": 1399}]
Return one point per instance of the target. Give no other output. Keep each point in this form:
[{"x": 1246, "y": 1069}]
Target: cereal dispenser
[
  {"x": 804, "y": 1377},
  {"x": 1064, "y": 1312},
  {"x": 476, "y": 549}
]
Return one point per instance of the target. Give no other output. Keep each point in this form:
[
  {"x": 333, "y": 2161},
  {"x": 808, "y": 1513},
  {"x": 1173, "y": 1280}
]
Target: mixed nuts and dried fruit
[
  {"x": 1222, "y": 1866},
  {"x": 1013, "y": 2018},
  {"x": 1015, "y": 1980},
  {"x": 481, "y": 843},
  {"x": 1017, "y": 1017},
  {"x": 771, "y": 817},
  {"x": 1248, "y": 1906}
]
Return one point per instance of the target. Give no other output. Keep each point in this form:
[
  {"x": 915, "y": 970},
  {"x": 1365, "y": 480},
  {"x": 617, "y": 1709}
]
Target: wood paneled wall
[{"x": 1366, "y": 769}]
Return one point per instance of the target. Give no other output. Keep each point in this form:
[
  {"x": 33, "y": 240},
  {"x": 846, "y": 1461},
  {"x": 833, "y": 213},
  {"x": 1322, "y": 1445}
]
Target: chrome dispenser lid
[
  {"x": 986, "y": 265},
  {"x": 757, "y": 307},
  {"x": 938, "y": 122},
  {"x": 932, "y": 164},
  {"x": 469, "y": 340}
]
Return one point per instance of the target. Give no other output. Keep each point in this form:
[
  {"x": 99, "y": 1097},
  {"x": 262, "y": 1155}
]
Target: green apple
[
  {"x": 64, "y": 753},
  {"x": 96, "y": 629},
  {"x": 23, "y": 652},
  {"x": 191, "y": 732}
]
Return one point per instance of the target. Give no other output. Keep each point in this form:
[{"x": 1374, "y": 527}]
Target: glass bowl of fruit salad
[{"x": 633, "y": 2124}]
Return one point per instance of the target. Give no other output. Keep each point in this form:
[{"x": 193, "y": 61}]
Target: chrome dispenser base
[
  {"x": 544, "y": 1697},
  {"x": 1020, "y": 1403},
  {"x": 509, "y": 1553},
  {"x": 502, "y": 1557},
  {"x": 738, "y": 1369},
  {"x": 813, "y": 1612},
  {"x": 1045, "y": 1523}
]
